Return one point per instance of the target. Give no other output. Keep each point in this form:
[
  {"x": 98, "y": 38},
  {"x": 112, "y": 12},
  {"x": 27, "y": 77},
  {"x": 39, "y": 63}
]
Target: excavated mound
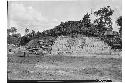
[{"x": 79, "y": 45}]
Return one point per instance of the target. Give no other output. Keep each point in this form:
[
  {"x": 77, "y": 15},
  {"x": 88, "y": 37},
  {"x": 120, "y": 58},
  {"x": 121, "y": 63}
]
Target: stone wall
[{"x": 80, "y": 45}]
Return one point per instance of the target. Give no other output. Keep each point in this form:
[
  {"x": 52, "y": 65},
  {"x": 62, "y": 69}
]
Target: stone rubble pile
[{"x": 79, "y": 46}]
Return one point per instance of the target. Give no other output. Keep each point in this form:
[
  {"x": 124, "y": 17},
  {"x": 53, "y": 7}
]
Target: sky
[{"x": 43, "y": 15}]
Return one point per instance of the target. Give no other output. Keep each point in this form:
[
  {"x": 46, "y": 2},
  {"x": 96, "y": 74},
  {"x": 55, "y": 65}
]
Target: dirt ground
[{"x": 64, "y": 68}]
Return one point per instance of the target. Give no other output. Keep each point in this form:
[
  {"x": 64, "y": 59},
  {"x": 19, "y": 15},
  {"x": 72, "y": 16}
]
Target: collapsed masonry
[{"x": 79, "y": 45}]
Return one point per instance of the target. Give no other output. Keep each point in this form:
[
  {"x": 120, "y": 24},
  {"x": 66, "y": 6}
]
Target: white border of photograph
[
  {"x": 3, "y": 38},
  {"x": 3, "y": 41}
]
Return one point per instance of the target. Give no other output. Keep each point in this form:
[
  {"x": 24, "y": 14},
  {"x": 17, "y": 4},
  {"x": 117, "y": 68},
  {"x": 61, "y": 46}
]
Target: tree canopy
[
  {"x": 119, "y": 23},
  {"x": 104, "y": 21}
]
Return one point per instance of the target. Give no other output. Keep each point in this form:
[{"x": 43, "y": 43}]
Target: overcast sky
[{"x": 43, "y": 15}]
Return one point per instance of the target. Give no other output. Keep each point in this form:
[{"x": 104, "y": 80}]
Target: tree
[
  {"x": 33, "y": 33},
  {"x": 13, "y": 30},
  {"x": 24, "y": 40},
  {"x": 86, "y": 20},
  {"x": 8, "y": 32},
  {"x": 103, "y": 21},
  {"x": 119, "y": 23},
  {"x": 38, "y": 34},
  {"x": 26, "y": 31},
  {"x": 14, "y": 39}
]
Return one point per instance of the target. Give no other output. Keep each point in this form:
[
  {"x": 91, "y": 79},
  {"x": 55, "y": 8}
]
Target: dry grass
[{"x": 64, "y": 68}]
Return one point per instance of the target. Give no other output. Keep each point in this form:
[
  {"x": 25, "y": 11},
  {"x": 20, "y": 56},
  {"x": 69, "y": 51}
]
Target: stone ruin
[{"x": 80, "y": 45}]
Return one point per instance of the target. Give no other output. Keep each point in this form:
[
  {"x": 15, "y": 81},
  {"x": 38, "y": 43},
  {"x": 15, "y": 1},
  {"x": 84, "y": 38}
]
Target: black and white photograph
[{"x": 68, "y": 40}]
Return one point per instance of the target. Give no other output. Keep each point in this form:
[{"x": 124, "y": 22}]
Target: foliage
[
  {"x": 119, "y": 23},
  {"x": 29, "y": 36},
  {"x": 26, "y": 31},
  {"x": 86, "y": 20},
  {"x": 24, "y": 40},
  {"x": 103, "y": 22},
  {"x": 12, "y": 30},
  {"x": 14, "y": 39},
  {"x": 8, "y": 32}
]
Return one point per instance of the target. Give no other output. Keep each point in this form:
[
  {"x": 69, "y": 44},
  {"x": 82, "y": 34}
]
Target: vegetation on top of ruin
[{"x": 101, "y": 27}]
